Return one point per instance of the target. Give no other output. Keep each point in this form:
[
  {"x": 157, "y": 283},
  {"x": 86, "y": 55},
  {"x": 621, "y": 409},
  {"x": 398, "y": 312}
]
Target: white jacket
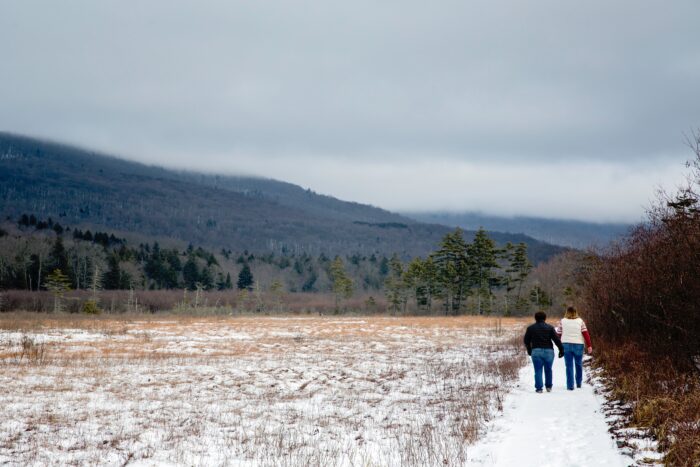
[{"x": 573, "y": 331}]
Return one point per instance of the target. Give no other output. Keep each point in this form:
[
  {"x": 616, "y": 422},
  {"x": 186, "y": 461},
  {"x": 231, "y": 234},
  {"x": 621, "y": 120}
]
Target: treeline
[
  {"x": 100, "y": 259},
  {"x": 460, "y": 276},
  {"x": 642, "y": 298},
  {"x": 465, "y": 276},
  {"x": 214, "y": 211},
  {"x": 31, "y": 221}
]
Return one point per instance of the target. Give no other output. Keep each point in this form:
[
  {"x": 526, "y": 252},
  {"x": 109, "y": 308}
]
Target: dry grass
[
  {"x": 658, "y": 399},
  {"x": 210, "y": 302},
  {"x": 251, "y": 391}
]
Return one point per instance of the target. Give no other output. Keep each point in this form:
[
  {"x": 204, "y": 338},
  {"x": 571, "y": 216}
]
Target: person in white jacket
[{"x": 574, "y": 335}]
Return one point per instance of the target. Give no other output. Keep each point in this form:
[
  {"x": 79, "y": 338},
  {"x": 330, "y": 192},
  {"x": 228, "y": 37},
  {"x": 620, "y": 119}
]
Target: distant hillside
[
  {"x": 82, "y": 188},
  {"x": 569, "y": 233}
]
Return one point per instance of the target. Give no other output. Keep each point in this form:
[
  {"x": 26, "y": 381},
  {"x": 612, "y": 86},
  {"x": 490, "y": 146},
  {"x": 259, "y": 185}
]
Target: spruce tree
[
  {"x": 384, "y": 266},
  {"x": 58, "y": 283},
  {"x": 508, "y": 278},
  {"x": 245, "y": 278},
  {"x": 522, "y": 267},
  {"x": 112, "y": 278},
  {"x": 341, "y": 283},
  {"x": 482, "y": 252},
  {"x": 58, "y": 258},
  {"x": 453, "y": 270},
  {"x": 190, "y": 273},
  {"x": 206, "y": 280},
  {"x": 414, "y": 278},
  {"x": 395, "y": 285}
]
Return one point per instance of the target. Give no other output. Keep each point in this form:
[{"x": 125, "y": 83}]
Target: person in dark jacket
[{"x": 538, "y": 340}]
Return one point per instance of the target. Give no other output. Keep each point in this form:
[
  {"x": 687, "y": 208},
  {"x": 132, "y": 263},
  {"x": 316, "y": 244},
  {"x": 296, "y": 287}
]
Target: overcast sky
[{"x": 550, "y": 108}]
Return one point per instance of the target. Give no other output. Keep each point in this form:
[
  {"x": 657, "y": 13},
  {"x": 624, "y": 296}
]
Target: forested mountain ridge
[
  {"x": 82, "y": 188},
  {"x": 568, "y": 233}
]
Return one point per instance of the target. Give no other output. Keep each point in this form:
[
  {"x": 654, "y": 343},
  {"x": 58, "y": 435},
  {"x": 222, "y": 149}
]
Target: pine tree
[
  {"x": 58, "y": 258},
  {"x": 453, "y": 270},
  {"x": 205, "y": 279},
  {"x": 276, "y": 290},
  {"x": 58, "y": 283},
  {"x": 522, "y": 267},
  {"x": 420, "y": 278},
  {"x": 395, "y": 285},
  {"x": 539, "y": 298},
  {"x": 114, "y": 278},
  {"x": 383, "y": 266},
  {"x": 245, "y": 278},
  {"x": 341, "y": 283},
  {"x": 508, "y": 278},
  {"x": 224, "y": 284},
  {"x": 190, "y": 273},
  {"x": 482, "y": 253},
  {"x": 95, "y": 285}
]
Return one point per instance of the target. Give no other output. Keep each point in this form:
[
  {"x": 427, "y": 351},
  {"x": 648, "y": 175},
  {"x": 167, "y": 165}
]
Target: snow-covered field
[{"x": 252, "y": 391}]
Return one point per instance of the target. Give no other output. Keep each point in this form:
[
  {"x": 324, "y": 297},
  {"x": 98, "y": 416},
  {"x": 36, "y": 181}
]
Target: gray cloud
[{"x": 278, "y": 88}]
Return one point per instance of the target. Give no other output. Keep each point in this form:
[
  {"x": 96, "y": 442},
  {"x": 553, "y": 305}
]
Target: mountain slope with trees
[
  {"x": 568, "y": 233},
  {"x": 83, "y": 189}
]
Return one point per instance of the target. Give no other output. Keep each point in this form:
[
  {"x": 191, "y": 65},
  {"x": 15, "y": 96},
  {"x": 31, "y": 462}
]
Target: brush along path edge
[{"x": 561, "y": 428}]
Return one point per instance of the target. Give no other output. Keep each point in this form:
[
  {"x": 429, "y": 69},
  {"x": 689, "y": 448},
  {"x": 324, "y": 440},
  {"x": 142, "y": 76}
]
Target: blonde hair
[{"x": 571, "y": 313}]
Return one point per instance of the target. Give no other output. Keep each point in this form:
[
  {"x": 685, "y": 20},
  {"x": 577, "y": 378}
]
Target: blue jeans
[
  {"x": 573, "y": 358},
  {"x": 543, "y": 359}
]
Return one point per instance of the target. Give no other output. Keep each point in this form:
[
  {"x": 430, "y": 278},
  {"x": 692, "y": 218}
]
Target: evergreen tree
[
  {"x": 114, "y": 278},
  {"x": 298, "y": 267},
  {"x": 95, "y": 285},
  {"x": 414, "y": 278},
  {"x": 508, "y": 279},
  {"x": 58, "y": 258},
  {"x": 383, "y": 266},
  {"x": 341, "y": 283},
  {"x": 190, "y": 273},
  {"x": 539, "y": 298},
  {"x": 482, "y": 253},
  {"x": 421, "y": 278},
  {"x": 245, "y": 278},
  {"x": 453, "y": 270},
  {"x": 58, "y": 283},
  {"x": 522, "y": 267},
  {"x": 394, "y": 284},
  {"x": 224, "y": 284},
  {"x": 206, "y": 280},
  {"x": 309, "y": 284}
]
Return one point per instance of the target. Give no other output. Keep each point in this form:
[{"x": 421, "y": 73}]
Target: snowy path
[{"x": 561, "y": 428}]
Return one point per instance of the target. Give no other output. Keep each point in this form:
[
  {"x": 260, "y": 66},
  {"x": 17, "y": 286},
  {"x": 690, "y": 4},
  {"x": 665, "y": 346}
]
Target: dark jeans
[
  {"x": 542, "y": 359},
  {"x": 573, "y": 358}
]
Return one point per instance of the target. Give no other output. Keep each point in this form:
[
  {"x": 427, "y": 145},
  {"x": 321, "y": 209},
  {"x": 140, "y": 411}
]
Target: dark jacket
[{"x": 540, "y": 336}]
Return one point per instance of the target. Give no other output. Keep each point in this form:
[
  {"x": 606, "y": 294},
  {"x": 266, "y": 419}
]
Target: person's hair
[
  {"x": 540, "y": 316},
  {"x": 571, "y": 313}
]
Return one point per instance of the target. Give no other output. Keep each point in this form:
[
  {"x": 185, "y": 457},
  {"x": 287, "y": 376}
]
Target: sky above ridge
[{"x": 546, "y": 108}]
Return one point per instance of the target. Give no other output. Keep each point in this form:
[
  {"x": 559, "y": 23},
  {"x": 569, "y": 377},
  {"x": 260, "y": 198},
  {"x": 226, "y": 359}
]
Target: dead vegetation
[
  {"x": 643, "y": 300},
  {"x": 264, "y": 391}
]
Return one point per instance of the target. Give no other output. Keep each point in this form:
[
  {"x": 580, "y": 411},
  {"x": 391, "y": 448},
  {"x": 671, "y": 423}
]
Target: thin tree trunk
[{"x": 38, "y": 278}]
